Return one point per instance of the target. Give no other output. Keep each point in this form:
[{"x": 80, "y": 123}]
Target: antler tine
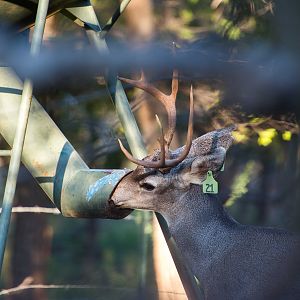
[
  {"x": 171, "y": 108},
  {"x": 162, "y": 156},
  {"x": 147, "y": 87},
  {"x": 168, "y": 101},
  {"x": 174, "y": 84},
  {"x": 144, "y": 163},
  {"x": 162, "y": 162},
  {"x": 189, "y": 140},
  {"x": 174, "y": 77},
  {"x": 149, "y": 164}
]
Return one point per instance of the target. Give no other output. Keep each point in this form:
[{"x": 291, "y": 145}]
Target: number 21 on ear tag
[{"x": 210, "y": 185}]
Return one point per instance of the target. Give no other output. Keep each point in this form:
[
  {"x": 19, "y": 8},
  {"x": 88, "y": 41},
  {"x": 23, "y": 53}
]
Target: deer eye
[{"x": 147, "y": 186}]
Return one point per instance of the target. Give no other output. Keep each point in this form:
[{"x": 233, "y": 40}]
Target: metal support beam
[
  {"x": 74, "y": 188},
  {"x": 110, "y": 23},
  {"x": 5, "y": 152},
  {"x": 20, "y": 131},
  {"x": 59, "y": 170},
  {"x": 87, "y": 16}
]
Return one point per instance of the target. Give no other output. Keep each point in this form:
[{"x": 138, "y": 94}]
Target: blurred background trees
[{"x": 260, "y": 182}]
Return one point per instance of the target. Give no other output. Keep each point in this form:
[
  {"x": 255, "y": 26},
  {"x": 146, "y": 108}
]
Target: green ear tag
[{"x": 210, "y": 185}]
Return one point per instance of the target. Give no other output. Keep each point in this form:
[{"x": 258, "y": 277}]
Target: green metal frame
[
  {"x": 18, "y": 142},
  {"x": 75, "y": 189}
]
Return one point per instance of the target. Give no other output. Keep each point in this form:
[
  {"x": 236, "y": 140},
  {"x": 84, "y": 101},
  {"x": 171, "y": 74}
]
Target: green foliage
[
  {"x": 107, "y": 257},
  {"x": 286, "y": 135},
  {"x": 265, "y": 137},
  {"x": 227, "y": 27},
  {"x": 240, "y": 183},
  {"x": 231, "y": 19}
]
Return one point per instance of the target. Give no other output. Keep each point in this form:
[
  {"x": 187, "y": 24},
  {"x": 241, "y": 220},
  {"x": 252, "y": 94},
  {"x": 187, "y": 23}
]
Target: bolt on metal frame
[{"x": 84, "y": 13}]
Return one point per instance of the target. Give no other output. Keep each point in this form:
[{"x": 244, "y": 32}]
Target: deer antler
[
  {"x": 168, "y": 101},
  {"x": 162, "y": 162}
]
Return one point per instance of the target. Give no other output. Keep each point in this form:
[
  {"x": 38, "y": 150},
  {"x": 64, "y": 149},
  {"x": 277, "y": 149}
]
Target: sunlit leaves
[
  {"x": 230, "y": 18},
  {"x": 186, "y": 15},
  {"x": 193, "y": 1},
  {"x": 233, "y": 19},
  {"x": 227, "y": 28},
  {"x": 241, "y": 135},
  {"x": 240, "y": 183},
  {"x": 264, "y": 130},
  {"x": 265, "y": 137},
  {"x": 286, "y": 135},
  {"x": 186, "y": 34},
  {"x": 234, "y": 33}
]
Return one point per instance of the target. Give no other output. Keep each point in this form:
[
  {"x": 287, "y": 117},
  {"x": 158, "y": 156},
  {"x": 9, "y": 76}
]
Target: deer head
[{"x": 164, "y": 177}]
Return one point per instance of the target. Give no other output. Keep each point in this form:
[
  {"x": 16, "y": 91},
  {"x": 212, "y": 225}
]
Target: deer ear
[
  {"x": 205, "y": 144},
  {"x": 212, "y": 140},
  {"x": 209, "y": 162}
]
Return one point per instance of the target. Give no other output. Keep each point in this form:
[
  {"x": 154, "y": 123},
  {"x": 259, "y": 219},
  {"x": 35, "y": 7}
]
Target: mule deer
[{"x": 231, "y": 261}]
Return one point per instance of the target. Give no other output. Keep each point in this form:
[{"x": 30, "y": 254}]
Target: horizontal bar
[
  {"x": 35, "y": 209},
  {"x": 5, "y": 152}
]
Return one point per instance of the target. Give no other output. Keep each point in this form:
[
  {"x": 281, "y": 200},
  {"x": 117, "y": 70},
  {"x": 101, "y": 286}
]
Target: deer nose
[
  {"x": 113, "y": 201},
  {"x": 115, "y": 206}
]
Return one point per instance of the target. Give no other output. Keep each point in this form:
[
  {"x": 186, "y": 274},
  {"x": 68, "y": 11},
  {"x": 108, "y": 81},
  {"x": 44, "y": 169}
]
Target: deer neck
[
  {"x": 201, "y": 228},
  {"x": 197, "y": 209}
]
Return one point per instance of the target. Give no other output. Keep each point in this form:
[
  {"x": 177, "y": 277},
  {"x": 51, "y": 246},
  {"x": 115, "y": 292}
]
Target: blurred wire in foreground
[
  {"x": 27, "y": 284},
  {"x": 260, "y": 78}
]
